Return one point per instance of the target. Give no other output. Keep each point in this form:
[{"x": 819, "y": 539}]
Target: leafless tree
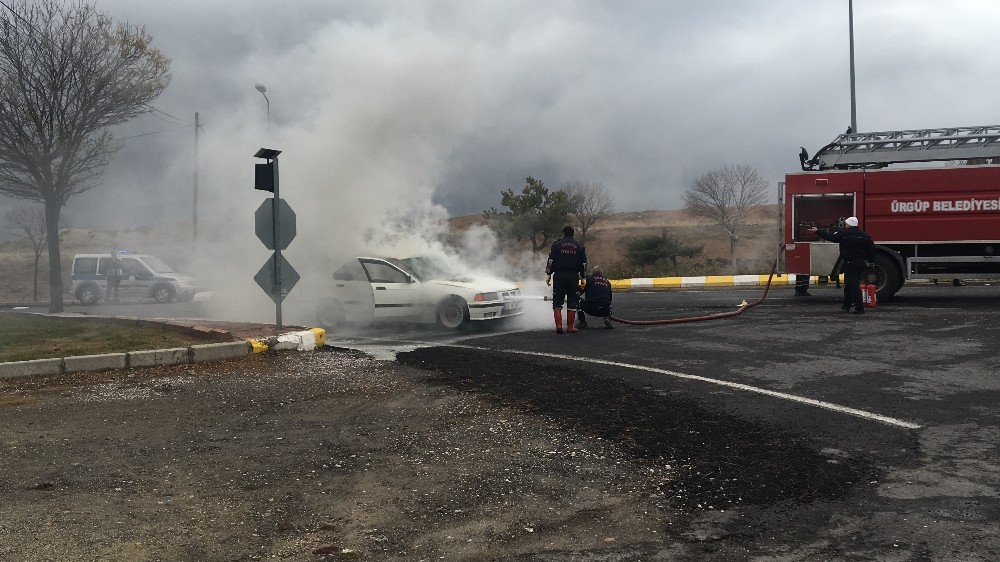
[
  {"x": 725, "y": 197},
  {"x": 28, "y": 223},
  {"x": 590, "y": 202},
  {"x": 67, "y": 74}
]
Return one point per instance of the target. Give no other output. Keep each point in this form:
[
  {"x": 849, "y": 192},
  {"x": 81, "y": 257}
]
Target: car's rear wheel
[
  {"x": 330, "y": 314},
  {"x": 453, "y": 313}
]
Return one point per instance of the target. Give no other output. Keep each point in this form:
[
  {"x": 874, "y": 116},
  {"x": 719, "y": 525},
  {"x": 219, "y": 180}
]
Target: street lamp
[{"x": 263, "y": 92}]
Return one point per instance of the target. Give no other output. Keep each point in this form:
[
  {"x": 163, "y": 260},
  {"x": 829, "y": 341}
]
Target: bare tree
[
  {"x": 28, "y": 223},
  {"x": 590, "y": 202},
  {"x": 67, "y": 74},
  {"x": 725, "y": 197}
]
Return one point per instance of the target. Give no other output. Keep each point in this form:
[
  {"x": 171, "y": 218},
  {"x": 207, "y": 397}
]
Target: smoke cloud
[{"x": 394, "y": 115}]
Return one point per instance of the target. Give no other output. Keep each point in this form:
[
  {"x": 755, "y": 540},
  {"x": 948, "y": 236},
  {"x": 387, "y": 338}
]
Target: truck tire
[{"x": 886, "y": 276}]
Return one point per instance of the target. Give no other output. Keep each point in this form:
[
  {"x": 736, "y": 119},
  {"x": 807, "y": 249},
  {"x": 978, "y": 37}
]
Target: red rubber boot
[
  {"x": 557, "y": 314},
  {"x": 570, "y": 321}
]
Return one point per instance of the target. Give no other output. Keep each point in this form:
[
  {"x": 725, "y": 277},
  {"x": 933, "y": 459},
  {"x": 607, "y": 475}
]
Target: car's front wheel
[
  {"x": 88, "y": 294},
  {"x": 453, "y": 313},
  {"x": 163, "y": 293}
]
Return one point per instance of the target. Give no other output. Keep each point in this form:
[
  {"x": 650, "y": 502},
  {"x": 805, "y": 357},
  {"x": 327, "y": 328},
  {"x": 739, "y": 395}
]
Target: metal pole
[
  {"x": 854, "y": 103},
  {"x": 781, "y": 226},
  {"x": 194, "y": 205},
  {"x": 277, "y": 249}
]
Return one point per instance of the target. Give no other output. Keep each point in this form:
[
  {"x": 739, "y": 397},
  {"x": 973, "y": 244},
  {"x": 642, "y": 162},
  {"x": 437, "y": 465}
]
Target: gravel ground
[{"x": 332, "y": 455}]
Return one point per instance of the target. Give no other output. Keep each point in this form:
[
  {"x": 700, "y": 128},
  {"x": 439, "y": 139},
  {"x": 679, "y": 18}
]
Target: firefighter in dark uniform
[
  {"x": 596, "y": 299},
  {"x": 566, "y": 266},
  {"x": 857, "y": 251}
]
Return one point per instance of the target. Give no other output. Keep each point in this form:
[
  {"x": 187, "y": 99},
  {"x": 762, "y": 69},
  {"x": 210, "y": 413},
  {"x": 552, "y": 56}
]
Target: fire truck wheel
[{"x": 888, "y": 277}]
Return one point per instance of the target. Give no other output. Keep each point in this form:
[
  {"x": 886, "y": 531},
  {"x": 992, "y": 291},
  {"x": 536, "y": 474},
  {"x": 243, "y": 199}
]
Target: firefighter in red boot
[{"x": 567, "y": 264}]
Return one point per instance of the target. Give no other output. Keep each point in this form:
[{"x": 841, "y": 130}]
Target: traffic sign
[
  {"x": 264, "y": 223},
  {"x": 266, "y": 279}
]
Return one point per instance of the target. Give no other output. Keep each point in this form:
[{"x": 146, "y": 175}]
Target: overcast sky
[{"x": 393, "y": 104}]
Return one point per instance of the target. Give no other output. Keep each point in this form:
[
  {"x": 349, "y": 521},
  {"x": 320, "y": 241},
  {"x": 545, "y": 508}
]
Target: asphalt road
[
  {"x": 889, "y": 421},
  {"x": 907, "y": 396}
]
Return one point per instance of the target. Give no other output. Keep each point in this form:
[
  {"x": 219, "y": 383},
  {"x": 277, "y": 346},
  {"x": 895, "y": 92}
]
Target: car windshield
[{"x": 423, "y": 267}]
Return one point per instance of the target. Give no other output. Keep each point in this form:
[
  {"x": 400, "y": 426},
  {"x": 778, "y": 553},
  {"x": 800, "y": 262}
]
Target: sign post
[{"x": 274, "y": 223}]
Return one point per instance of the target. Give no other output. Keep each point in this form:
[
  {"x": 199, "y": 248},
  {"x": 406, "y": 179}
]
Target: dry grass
[
  {"x": 25, "y": 337},
  {"x": 606, "y": 241}
]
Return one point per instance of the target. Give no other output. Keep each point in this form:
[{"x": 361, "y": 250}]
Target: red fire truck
[{"x": 927, "y": 222}]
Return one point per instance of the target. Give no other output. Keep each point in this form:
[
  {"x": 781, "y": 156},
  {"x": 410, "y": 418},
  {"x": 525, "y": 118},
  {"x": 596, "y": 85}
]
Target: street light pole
[
  {"x": 194, "y": 205},
  {"x": 263, "y": 92},
  {"x": 854, "y": 103}
]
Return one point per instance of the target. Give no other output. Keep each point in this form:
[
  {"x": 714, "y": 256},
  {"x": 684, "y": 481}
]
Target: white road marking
[{"x": 734, "y": 385}]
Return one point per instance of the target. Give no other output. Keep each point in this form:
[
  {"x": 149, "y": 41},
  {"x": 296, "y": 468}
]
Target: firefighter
[
  {"x": 802, "y": 286},
  {"x": 566, "y": 266},
  {"x": 595, "y": 299},
  {"x": 857, "y": 251}
]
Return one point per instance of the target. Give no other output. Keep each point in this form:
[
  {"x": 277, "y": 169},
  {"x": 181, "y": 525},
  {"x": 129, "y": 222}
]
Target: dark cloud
[{"x": 453, "y": 101}]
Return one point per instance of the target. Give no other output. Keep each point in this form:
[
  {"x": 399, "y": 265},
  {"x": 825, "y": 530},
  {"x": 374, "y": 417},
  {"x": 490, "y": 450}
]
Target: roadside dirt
[{"x": 441, "y": 455}]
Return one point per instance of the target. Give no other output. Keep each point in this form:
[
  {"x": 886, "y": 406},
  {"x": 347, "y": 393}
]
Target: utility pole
[{"x": 194, "y": 220}]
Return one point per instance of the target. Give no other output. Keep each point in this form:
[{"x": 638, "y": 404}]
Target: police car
[
  {"x": 419, "y": 289},
  {"x": 145, "y": 277}
]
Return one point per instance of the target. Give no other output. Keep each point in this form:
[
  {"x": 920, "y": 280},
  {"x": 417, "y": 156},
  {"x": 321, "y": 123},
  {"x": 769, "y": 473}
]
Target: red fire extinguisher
[{"x": 868, "y": 294}]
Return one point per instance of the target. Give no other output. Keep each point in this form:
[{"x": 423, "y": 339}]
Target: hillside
[{"x": 606, "y": 242}]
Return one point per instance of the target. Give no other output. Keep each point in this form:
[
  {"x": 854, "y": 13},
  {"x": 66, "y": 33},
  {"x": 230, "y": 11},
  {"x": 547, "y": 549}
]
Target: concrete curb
[
  {"x": 118, "y": 361},
  {"x": 306, "y": 340}
]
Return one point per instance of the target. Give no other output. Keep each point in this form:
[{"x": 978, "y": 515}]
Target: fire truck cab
[{"x": 927, "y": 223}]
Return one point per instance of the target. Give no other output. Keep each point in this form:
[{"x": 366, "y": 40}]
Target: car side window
[
  {"x": 85, "y": 266},
  {"x": 379, "y": 272}
]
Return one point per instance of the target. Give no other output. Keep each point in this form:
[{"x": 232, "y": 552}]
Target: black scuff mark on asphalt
[{"x": 718, "y": 460}]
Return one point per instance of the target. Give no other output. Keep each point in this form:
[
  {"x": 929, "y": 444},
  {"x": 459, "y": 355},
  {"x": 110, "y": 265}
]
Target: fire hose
[{"x": 739, "y": 310}]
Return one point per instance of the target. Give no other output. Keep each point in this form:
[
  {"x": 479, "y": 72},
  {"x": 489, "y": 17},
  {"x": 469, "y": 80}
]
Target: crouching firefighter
[
  {"x": 566, "y": 266},
  {"x": 595, "y": 299}
]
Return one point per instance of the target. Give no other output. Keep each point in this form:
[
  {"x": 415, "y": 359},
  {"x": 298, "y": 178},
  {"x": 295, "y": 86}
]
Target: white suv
[{"x": 145, "y": 277}]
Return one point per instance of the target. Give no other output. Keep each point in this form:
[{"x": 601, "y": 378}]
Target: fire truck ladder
[{"x": 877, "y": 150}]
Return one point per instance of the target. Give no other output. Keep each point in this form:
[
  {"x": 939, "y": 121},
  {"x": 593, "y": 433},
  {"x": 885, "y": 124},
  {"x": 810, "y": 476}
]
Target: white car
[{"x": 419, "y": 289}]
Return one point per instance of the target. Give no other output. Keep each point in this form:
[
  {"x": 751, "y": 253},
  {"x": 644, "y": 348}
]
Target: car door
[
  {"x": 137, "y": 280},
  {"x": 396, "y": 294},
  {"x": 353, "y": 291}
]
